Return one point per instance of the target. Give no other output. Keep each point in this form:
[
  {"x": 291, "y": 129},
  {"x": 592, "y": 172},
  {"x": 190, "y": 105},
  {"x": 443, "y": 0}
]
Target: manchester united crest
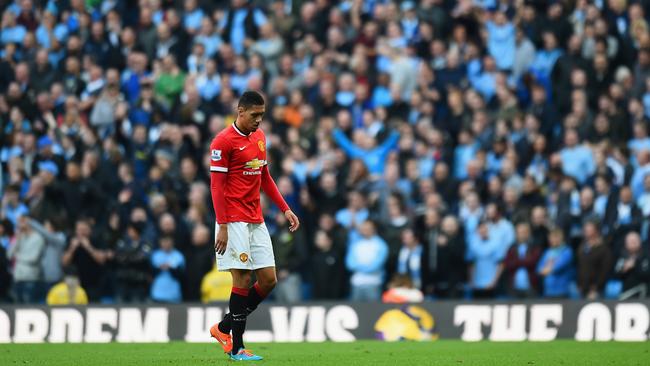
[
  {"x": 260, "y": 144},
  {"x": 243, "y": 257}
]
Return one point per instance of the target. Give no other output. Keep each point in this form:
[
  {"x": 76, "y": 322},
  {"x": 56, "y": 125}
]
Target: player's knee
[
  {"x": 246, "y": 279},
  {"x": 268, "y": 283},
  {"x": 241, "y": 278}
]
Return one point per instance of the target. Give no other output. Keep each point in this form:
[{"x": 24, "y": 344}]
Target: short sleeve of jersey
[{"x": 219, "y": 155}]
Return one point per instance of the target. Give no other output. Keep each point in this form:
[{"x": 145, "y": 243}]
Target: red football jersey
[{"x": 241, "y": 157}]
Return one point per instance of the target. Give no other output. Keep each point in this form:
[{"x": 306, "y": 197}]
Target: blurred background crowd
[{"x": 432, "y": 149}]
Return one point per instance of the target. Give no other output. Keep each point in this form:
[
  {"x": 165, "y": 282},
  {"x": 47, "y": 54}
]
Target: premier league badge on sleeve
[{"x": 216, "y": 155}]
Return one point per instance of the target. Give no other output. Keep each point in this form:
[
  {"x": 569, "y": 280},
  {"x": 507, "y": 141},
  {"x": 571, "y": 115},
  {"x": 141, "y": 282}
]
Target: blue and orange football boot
[
  {"x": 244, "y": 355},
  {"x": 224, "y": 339}
]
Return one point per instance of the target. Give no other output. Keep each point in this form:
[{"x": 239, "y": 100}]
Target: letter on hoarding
[
  {"x": 340, "y": 319},
  {"x": 132, "y": 328},
  {"x": 199, "y": 321},
  {"x": 30, "y": 326},
  {"x": 594, "y": 323},
  {"x": 508, "y": 323},
  {"x": 472, "y": 318},
  {"x": 316, "y": 324},
  {"x": 288, "y": 327},
  {"x": 96, "y": 319},
  {"x": 66, "y": 325},
  {"x": 5, "y": 326},
  {"x": 540, "y": 316},
  {"x": 632, "y": 321}
]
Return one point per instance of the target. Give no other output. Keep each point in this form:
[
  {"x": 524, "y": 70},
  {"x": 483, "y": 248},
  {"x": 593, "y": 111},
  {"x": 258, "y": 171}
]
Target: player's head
[{"x": 250, "y": 111}]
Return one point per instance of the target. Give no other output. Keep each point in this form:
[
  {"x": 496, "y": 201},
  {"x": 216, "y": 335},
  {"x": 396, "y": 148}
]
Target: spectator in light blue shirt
[
  {"x": 14, "y": 7},
  {"x": 640, "y": 142},
  {"x": 556, "y": 266},
  {"x": 464, "y": 153},
  {"x": 409, "y": 259},
  {"x": 640, "y": 172},
  {"x": 233, "y": 23},
  {"x": 470, "y": 212},
  {"x": 208, "y": 37},
  {"x": 209, "y": 82},
  {"x": 373, "y": 156},
  {"x": 381, "y": 96},
  {"x": 168, "y": 264},
  {"x": 485, "y": 256},
  {"x": 12, "y": 208},
  {"x": 409, "y": 20},
  {"x": 49, "y": 29},
  {"x": 11, "y": 32},
  {"x": 366, "y": 258},
  {"x": 240, "y": 78},
  {"x": 500, "y": 227},
  {"x": 192, "y": 17},
  {"x": 486, "y": 4},
  {"x": 577, "y": 160},
  {"x": 501, "y": 41},
  {"x": 483, "y": 76},
  {"x": 496, "y": 156},
  {"x": 196, "y": 61},
  {"x": 545, "y": 60},
  {"x": 355, "y": 213}
]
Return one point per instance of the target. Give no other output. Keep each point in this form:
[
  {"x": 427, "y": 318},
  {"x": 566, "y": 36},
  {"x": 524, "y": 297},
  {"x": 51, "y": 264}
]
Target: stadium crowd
[{"x": 439, "y": 149}]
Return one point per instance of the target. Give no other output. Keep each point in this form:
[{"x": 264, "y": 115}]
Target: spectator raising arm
[
  {"x": 374, "y": 157},
  {"x": 54, "y": 238},
  {"x": 353, "y": 151}
]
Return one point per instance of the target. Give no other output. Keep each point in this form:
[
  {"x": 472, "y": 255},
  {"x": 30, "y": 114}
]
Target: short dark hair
[
  {"x": 250, "y": 98},
  {"x": 137, "y": 226}
]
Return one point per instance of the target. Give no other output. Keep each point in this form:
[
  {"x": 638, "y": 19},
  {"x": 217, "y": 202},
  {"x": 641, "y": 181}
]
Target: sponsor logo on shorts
[
  {"x": 216, "y": 155},
  {"x": 243, "y": 257}
]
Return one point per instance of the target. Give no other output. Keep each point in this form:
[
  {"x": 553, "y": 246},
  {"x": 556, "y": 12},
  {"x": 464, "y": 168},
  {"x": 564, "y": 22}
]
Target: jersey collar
[{"x": 238, "y": 131}]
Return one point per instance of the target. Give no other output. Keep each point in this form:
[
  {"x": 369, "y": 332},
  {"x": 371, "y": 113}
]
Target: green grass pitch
[{"x": 444, "y": 352}]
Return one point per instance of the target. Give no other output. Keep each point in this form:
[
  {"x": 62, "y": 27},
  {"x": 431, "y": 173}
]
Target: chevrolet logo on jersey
[{"x": 255, "y": 164}]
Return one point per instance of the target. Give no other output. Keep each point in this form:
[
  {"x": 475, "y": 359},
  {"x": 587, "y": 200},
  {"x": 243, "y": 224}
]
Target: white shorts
[{"x": 249, "y": 247}]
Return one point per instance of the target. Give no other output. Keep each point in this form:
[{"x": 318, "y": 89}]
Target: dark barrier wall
[{"x": 341, "y": 322}]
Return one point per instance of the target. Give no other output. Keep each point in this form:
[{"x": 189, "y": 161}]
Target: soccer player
[{"x": 238, "y": 169}]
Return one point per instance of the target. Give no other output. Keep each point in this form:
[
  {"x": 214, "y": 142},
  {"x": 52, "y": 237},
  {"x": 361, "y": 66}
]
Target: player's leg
[
  {"x": 236, "y": 319},
  {"x": 235, "y": 260},
  {"x": 259, "y": 258},
  {"x": 241, "y": 279},
  {"x": 262, "y": 261},
  {"x": 263, "y": 264},
  {"x": 265, "y": 283}
]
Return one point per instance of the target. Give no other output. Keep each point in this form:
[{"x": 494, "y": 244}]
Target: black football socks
[
  {"x": 238, "y": 314},
  {"x": 254, "y": 298}
]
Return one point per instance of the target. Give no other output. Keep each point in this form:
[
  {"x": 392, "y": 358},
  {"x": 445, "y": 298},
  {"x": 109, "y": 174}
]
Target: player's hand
[
  {"x": 294, "y": 223},
  {"x": 222, "y": 240}
]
